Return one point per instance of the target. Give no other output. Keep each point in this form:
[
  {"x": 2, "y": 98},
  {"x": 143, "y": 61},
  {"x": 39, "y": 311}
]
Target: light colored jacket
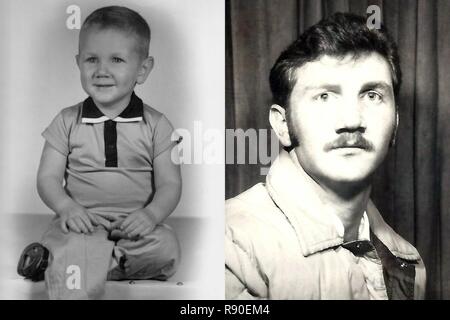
[{"x": 281, "y": 243}]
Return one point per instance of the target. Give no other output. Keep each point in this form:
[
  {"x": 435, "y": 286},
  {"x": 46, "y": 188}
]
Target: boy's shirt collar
[{"x": 133, "y": 112}]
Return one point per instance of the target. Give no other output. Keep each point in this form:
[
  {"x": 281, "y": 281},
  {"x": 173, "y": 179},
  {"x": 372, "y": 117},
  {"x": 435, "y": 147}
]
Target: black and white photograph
[
  {"x": 338, "y": 161},
  {"x": 106, "y": 189},
  {"x": 221, "y": 156}
]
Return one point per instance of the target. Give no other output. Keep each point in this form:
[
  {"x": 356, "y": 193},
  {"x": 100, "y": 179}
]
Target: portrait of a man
[{"x": 309, "y": 228}]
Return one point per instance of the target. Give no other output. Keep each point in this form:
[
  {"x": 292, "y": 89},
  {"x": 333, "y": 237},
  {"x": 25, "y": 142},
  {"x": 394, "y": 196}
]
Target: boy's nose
[{"x": 102, "y": 70}]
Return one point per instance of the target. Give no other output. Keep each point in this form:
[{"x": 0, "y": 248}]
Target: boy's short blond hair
[{"x": 123, "y": 19}]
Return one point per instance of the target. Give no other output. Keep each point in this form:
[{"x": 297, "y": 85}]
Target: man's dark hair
[
  {"x": 123, "y": 19},
  {"x": 338, "y": 35}
]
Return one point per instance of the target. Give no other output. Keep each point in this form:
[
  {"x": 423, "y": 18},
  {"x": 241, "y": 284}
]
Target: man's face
[
  {"x": 110, "y": 66},
  {"x": 342, "y": 113}
]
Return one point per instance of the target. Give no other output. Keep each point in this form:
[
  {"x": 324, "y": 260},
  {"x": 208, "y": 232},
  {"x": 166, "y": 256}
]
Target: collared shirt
[
  {"x": 282, "y": 243},
  {"x": 369, "y": 262},
  {"x": 110, "y": 161}
]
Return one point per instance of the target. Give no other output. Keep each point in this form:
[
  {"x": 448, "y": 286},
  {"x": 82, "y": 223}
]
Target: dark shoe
[{"x": 33, "y": 262}]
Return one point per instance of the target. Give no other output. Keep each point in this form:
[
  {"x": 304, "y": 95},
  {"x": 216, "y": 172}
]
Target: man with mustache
[{"x": 311, "y": 231}]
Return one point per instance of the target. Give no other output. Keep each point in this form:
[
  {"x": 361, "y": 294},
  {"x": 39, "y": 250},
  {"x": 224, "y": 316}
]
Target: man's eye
[
  {"x": 323, "y": 96},
  {"x": 374, "y": 96},
  {"x": 117, "y": 60}
]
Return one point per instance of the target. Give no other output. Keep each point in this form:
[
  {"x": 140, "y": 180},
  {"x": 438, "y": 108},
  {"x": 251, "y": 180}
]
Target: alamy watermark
[
  {"x": 374, "y": 17},
  {"x": 206, "y": 146},
  {"x": 73, "y": 21},
  {"x": 73, "y": 280}
]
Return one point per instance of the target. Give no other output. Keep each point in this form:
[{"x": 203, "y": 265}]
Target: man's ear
[
  {"x": 144, "y": 71},
  {"x": 394, "y": 135},
  {"x": 278, "y": 122}
]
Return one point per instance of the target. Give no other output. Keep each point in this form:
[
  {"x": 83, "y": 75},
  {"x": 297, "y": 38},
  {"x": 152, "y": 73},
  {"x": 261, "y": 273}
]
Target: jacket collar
[
  {"x": 313, "y": 223},
  {"x": 133, "y": 112}
]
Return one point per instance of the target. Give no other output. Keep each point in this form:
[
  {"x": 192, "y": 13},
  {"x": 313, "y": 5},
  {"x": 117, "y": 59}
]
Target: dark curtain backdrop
[{"x": 412, "y": 188}]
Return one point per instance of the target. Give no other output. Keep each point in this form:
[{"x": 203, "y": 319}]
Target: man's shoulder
[
  {"x": 254, "y": 213},
  {"x": 256, "y": 229},
  {"x": 248, "y": 203}
]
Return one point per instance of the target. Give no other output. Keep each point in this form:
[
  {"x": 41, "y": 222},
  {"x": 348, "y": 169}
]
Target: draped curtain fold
[{"x": 412, "y": 187}]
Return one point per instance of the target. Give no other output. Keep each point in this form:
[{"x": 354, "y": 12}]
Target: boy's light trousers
[{"x": 80, "y": 264}]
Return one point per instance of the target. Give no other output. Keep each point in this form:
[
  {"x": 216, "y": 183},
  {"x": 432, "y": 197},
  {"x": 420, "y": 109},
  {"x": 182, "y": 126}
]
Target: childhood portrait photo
[{"x": 99, "y": 199}]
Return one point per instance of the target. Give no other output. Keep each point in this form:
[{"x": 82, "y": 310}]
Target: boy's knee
[
  {"x": 157, "y": 258},
  {"x": 165, "y": 248},
  {"x": 168, "y": 240},
  {"x": 56, "y": 238}
]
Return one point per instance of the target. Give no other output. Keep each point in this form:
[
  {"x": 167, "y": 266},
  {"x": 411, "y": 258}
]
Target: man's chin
[{"x": 351, "y": 178}]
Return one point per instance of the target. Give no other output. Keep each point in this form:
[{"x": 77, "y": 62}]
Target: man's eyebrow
[
  {"x": 381, "y": 85},
  {"x": 324, "y": 86}
]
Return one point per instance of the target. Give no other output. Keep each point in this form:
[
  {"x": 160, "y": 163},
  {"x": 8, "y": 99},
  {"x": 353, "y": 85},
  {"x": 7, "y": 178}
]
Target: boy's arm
[
  {"x": 167, "y": 178},
  {"x": 49, "y": 185},
  {"x": 167, "y": 175}
]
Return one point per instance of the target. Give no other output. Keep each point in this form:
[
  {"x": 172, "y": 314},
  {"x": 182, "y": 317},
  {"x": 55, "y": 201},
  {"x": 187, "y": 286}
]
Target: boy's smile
[{"x": 110, "y": 66}]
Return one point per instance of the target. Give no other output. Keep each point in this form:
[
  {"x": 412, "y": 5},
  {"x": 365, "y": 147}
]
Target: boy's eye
[
  {"x": 91, "y": 59},
  {"x": 117, "y": 60}
]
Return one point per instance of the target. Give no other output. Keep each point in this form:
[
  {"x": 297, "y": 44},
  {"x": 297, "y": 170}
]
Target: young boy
[{"x": 114, "y": 153}]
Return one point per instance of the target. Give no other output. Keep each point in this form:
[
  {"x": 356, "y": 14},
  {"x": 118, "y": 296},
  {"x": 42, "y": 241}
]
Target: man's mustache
[{"x": 350, "y": 140}]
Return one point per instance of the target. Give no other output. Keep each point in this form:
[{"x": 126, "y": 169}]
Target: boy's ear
[
  {"x": 77, "y": 60},
  {"x": 146, "y": 67},
  {"x": 278, "y": 122}
]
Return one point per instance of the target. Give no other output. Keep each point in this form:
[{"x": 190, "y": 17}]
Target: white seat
[{"x": 21, "y": 229}]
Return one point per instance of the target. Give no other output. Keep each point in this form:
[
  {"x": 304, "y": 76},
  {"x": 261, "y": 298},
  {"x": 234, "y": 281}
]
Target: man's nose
[{"x": 350, "y": 116}]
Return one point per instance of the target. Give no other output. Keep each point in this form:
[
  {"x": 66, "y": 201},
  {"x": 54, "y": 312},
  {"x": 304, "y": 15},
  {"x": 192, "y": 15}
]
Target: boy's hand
[
  {"x": 139, "y": 223},
  {"x": 76, "y": 218}
]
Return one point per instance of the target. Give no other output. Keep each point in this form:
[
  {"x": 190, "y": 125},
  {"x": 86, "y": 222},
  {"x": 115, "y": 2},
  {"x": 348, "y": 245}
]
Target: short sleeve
[
  {"x": 56, "y": 134},
  {"x": 164, "y": 136}
]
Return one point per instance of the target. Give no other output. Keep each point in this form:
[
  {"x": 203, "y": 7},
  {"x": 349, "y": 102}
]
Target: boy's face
[{"x": 110, "y": 66}]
